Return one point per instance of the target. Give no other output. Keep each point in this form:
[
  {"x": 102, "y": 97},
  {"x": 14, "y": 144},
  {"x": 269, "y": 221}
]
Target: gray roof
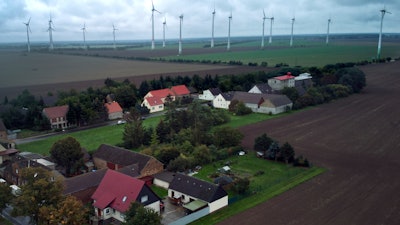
[
  {"x": 196, "y": 188},
  {"x": 83, "y": 181},
  {"x": 265, "y": 88},
  {"x": 165, "y": 176},
  {"x": 121, "y": 156},
  {"x": 215, "y": 91},
  {"x": 255, "y": 98}
]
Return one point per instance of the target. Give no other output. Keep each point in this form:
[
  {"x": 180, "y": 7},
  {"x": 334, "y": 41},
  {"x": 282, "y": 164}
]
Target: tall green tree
[
  {"x": 262, "y": 143},
  {"x": 5, "y": 196},
  {"x": 139, "y": 215},
  {"x": 227, "y": 137},
  {"x": 39, "y": 190},
  {"x": 134, "y": 134},
  {"x": 67, "y": 152},
  {"x": 287, "y": 153}
]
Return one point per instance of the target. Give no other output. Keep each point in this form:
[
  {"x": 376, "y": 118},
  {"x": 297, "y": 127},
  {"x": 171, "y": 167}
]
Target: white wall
[
  {"x": 255, "y": 90},
  {"x": 155, "y": 206},
  {"x": 215, "y": 205},
  {"x": 219, "y": 102},
  {"x": 160, "y": 183},
  {"x": 207, "y": 95}
]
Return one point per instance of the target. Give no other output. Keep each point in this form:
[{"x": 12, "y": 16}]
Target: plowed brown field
[{"x": 358, "y": 140}]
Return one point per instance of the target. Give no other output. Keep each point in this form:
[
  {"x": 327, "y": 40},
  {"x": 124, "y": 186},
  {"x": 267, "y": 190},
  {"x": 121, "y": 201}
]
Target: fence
[{"x": 192, "y": 217}]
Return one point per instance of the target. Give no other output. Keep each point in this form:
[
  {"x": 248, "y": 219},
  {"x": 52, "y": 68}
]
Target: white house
[
  {"x": 196, "y": 194},
  {"x": 262, "y": 88},
  {"x": 280, "y": 82},
  {"x": 154, "y": 104},
  {"x": 223, "y": 100},
  {"x": 115, "y": 194},
  {"x": 210, "y": 94}
]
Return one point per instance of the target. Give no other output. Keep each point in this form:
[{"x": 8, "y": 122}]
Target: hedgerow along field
[{"x": 304, "y": 54}]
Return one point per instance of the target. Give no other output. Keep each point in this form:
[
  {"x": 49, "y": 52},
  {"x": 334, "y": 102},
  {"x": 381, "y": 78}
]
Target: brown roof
[
  {"x": 56, "y": 112},
  {"x": 121, "y": 156},
  {"x": 254, "y": 98},
  {"x": 113, "y": 107},
  {"x": 265, "y": 88},
  {"x": 8, "y": 152},
  {"x": 83, "y": 182}
]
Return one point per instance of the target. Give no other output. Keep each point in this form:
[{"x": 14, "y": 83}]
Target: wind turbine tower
[
  {"x": 180, "y": 34},
  {"x": 270, "y": 30},
  {"x": 152, "y": 24},
  {"x": 383, "y": 12},
  {"x": 263, "y": 28},
  {"x": 327, "y": 33},
  {"x": 291, "y": 36},
  {"x": 114, "y": 29},
  {"x": 212, "y": 29},
  {"x": 84, "y": 36},
  {"x": 164, "y": 25},
  {"x": 28, "y": 29},
  {"x": 50, "y": 30},
  {"x": 228, "y": 47}
]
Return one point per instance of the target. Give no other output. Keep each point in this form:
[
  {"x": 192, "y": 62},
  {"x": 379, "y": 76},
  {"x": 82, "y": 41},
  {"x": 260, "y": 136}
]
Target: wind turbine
[
  {"x": 50, "y": 30},
  {"x": 212, "y": 29},
  {"x": 228, "y": 47},
  {"x": 327, "y": 33},
  {"x": 84, "y": 36},
  {"x": 164, "y": 26},
  {"x": 152, "y": 24},
  {"x": 383, "y": 12},
  {"x": 114, "y": 29},
  {"x": 263, "y": 28},
  {"x": 291, "y": 36},
  {"x": 270, "y": 30},
  {"x": 28, "y": 29},
  {"x": 180, "y": 33}
]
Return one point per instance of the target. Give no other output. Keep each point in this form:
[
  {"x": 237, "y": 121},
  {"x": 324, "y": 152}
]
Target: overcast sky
[{"x": 132, "y": 18}]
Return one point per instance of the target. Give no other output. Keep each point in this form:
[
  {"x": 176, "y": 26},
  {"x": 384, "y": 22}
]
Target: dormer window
[
  {"x": 124, "y": 199},
  {"x": 144, "y": 199}
]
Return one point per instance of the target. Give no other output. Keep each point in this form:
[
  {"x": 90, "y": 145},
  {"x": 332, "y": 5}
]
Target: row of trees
[{"x": 271, "y": 150}]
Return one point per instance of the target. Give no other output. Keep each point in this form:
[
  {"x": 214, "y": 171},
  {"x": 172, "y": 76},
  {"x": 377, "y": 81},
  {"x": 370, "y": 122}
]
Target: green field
[
  {"x": 302, "y": 55},
  {"x": 277, "y": 178}
]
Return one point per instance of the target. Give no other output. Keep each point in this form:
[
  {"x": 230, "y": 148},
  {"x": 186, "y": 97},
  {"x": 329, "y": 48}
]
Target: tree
[
  {"x": 227, "y": 137},
  {"x": 139, "y": 215},
  {"x": 287, "y": 152},
  {"x": 241, "y": 185},
  {"x": 69, "y": 211},
  {"x": 202, "y": 155},
  {"x": 273, "y": 151},
  {"x": 134, "y": 134},
  {"x": 353, "y": 77},
  {"x": 5, "y": 195},
  {"x": 262, "y": 143},
  {"x": 167, "y": 153},
  {"x": 67, "y": 152},
  {"x": 39, "y": 190}
]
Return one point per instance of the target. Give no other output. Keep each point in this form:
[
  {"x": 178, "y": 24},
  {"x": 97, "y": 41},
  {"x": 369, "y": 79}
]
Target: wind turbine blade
[
  {"x": 29, "y": 20},
  {"x": 264, "y": 13}
]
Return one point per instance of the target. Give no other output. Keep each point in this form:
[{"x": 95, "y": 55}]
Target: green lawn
[{"x": 277, "y": 178}]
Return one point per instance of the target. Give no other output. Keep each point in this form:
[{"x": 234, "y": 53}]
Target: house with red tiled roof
[
  {"x": 154, "y": 104},
  {"x": 114, "y": 110},
  {"x": 115, "y": 194},
  {"x": 162, "y": 94},
  {"x": 280, "y": 82},
  {"x": 180, "y": 91},
  {"x": 57, "y": 116}
]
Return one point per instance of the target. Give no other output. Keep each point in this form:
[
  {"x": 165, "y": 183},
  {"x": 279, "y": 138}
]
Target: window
[
  {"x": 144, "y": 199},
  {"x": 107, "y": 211}
]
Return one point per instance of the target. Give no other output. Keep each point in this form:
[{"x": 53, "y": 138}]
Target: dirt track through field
[{"x": 358, "y": 140}]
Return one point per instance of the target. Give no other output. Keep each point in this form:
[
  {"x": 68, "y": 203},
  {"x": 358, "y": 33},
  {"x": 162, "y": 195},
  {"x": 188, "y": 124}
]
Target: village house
[
  {"x": 195, "y": 194},
  {"x": 6, "y": 154},
  {"x": 262, "y": 88},
  {"x": 260, "y": 103},
  {"x": 210, "y": 94},
  {"x": 115, "y": 194},
  {"x": 57, "y": 116},
  {"x": 114, "y": 110},
  {"x": 154, "y": 100},
  {"x": 302, "y": 83},
  {"x": 115, "y": 158},
  {"x": 280, "y": 82},
  {"x": 154, "y": 104}
]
